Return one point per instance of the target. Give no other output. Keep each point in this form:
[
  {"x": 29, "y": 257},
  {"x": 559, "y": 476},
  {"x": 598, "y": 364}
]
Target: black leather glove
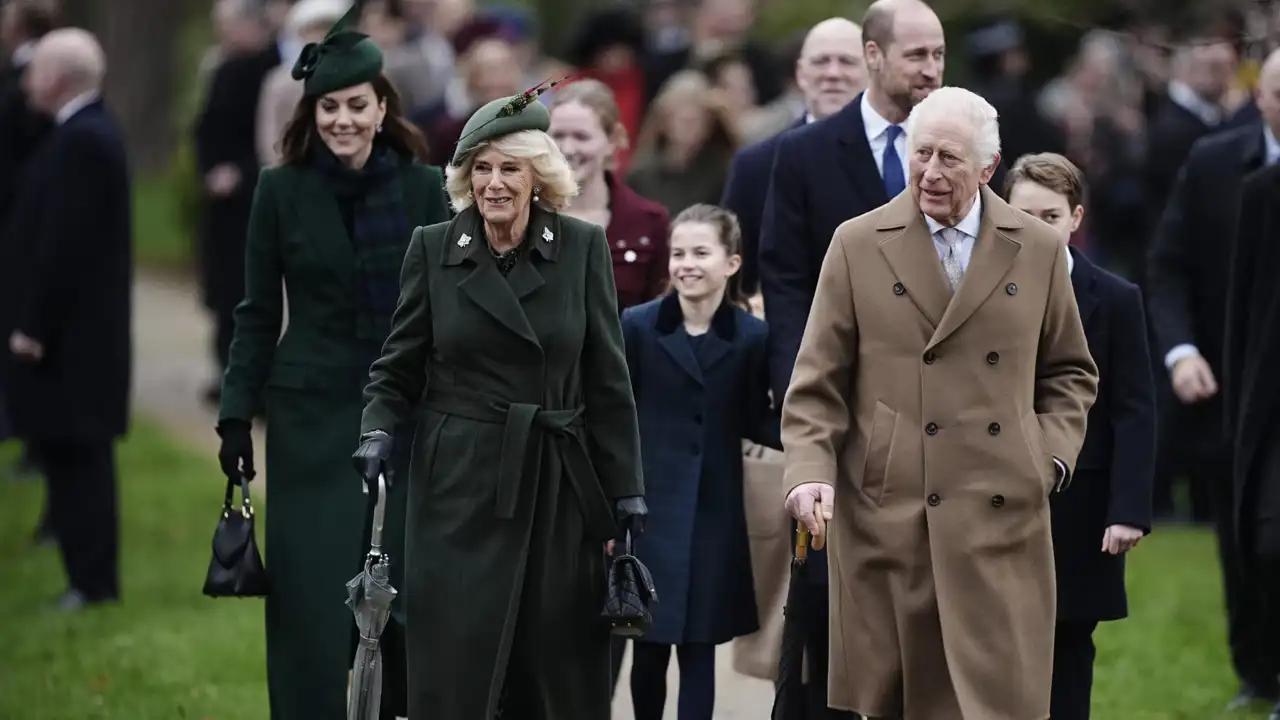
[
  {"x": 630, "y": 512},
  {"x": 371, "y": 458},
  {"x": 236, "y": 453}
]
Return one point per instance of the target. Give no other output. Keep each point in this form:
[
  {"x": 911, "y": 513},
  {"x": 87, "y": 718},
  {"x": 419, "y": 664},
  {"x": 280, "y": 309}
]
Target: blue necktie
[{"x": 894, "y": 182}]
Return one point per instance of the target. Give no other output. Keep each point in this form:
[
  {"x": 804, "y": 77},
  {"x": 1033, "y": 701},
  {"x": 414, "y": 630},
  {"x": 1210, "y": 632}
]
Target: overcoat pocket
[
  {"x": 875, "y": 468},
  {"x": 1041, "y": 459}
]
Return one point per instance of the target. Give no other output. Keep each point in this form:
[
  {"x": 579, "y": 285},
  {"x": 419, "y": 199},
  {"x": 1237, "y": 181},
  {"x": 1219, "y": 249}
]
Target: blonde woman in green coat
[
  {"x": 506, "y": 345},
  {"x": 332, "y": 224}
]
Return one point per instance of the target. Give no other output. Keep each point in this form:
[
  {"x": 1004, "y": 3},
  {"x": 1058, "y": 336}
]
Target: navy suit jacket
[
  {"x": 1116, "y": 466},
  {"x": 744, "y": 194}
]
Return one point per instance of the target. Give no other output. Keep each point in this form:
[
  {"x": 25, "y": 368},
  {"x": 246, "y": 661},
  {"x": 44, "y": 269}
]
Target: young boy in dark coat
[{"x": 1107, "y": 510}]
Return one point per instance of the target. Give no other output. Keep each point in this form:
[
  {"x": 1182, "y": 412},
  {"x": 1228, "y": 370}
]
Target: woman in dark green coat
[
  {"x": 506, "y": 346},
  {"x": 332, "y": 224}
]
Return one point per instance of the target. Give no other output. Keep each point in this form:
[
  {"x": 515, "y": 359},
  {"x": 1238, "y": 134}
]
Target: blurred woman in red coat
[
  {"x": 609, "y": 47},
  {"x": 585, "y": 124}
]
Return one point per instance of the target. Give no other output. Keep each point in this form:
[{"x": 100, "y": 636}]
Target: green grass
[{"x": 167, "y": 652}]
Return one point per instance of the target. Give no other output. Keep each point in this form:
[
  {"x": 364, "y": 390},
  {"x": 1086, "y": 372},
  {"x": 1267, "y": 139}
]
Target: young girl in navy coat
[
  {"x": 1107, "y": 509},
  {"x": 698, "y": 369}
]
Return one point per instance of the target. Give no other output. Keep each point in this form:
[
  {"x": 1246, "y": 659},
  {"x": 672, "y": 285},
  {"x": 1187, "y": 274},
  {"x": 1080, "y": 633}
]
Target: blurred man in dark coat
[
  {"x": 227, "y": 160},
  {"x": 830, "y": 73},
  {"x": 70, "y": 285},
  {"x": 1187, "y": 298}
]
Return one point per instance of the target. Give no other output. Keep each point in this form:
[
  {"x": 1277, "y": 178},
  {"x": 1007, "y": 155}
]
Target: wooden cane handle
[{"x": 802, "y": 543}]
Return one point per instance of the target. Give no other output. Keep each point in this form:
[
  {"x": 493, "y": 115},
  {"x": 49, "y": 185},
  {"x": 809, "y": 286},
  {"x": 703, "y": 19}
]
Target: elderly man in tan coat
[{"x": 939, "y": 397}]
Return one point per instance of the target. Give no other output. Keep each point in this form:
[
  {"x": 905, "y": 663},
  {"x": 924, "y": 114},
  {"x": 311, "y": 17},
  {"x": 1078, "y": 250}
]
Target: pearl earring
[
  {"x": 536, "y": 191},
  {"x": 378, "y": 128}
]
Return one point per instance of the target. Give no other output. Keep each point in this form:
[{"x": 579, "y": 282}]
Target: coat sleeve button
[
  {"x": 929, "y": 358},
  {"x": 993, "y": 358},
  {"x": 931, "y": 428},
  {"x": 997, "y": 501},
  {"x": 994, "y": 428},
  {"x": 934, "y": 499},
  {"x": 898, "y": 289},
  {"x": 1011, "y": 288}
]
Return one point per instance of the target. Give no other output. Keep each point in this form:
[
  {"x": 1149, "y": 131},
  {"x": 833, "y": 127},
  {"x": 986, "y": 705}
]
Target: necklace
[{"x": 506, "y": 260}]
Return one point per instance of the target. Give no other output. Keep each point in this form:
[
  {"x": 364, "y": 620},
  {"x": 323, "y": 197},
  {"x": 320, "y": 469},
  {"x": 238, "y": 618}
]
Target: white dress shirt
[
  {"x": 75, "y": 105},
  {"x": 878, "y": 137},
  {"x": 1182, "y": 94},
  {"x": 967, "y": 228}
]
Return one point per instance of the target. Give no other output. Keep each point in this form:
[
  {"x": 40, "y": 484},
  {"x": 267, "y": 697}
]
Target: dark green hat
[
  {"x": 504, "y": 116},
  {"x": 345, "y": 57}
]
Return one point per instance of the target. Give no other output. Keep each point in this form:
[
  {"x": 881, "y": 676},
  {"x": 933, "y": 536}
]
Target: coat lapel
[
  {"x": 993, "y": 255},
  {"x": 855, "y": 154},
  {"x": 1082, "y": 278},
  {"x": 325, "y": 229},
  {"x": 673, "y": 338},
  {"x": 912, "y": 258},
  {"x": 501, "y": 297}
]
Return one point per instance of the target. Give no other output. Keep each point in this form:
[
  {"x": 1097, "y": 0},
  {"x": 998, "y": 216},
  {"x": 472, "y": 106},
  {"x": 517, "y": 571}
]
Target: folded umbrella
[
  {"x": 789, "y": 701},
  {"x": 369, "y": 595}
]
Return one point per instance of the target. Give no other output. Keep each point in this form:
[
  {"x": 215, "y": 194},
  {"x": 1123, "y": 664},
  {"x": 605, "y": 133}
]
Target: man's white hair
[{"x": 954, "y": 102}]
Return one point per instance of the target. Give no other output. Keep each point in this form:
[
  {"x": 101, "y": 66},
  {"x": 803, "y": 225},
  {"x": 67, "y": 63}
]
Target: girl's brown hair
[
  {"x": 684, "y": 87},
  {"x": 1049, "y": 170},
  {"x": 596, "y": 96},
  {"x": 725, "y": 223},
  {"x": 300, "y": 137}
]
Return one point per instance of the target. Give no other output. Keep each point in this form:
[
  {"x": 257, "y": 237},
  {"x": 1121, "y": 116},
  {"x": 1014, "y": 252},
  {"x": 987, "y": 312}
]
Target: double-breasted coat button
[
  {"x": 934, "y": 499},
  {"x": 1011, "y": 288},
  {"x": 993, "y": 358},
  {"x": 929, "y": 358},
  {"x": 931, "y": 428},
  {"x": 629, "y": 256},
  {"x": 994, "y": 428},
  {"x": 997, "y": 501},
  {"x": 898, "y": 289}
]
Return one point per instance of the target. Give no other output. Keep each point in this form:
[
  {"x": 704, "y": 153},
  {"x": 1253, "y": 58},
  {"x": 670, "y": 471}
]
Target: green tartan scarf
[{"x": 380, "y": 233}]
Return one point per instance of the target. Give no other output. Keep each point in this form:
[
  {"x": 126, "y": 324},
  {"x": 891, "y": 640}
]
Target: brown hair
[
  {"x": 1052, "y": 171},
  {"x": 687, "y": 84},
  {"x": 299, "y": 137},
  {"x": 596, "y": 96},
  {"x": 725, "y": 223}
]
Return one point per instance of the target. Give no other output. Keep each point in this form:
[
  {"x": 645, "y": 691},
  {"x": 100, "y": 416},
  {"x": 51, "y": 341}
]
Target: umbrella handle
[
  {"x": 379, "y": 513},
  {"x": 802, "y": 543}
]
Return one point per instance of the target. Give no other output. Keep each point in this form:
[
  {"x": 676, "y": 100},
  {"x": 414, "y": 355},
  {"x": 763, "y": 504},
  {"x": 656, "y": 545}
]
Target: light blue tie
[{"x": 894, "y": 182}]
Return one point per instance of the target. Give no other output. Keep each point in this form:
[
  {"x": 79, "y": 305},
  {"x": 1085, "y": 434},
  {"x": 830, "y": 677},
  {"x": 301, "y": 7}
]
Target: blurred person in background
[
  {"x": 428, "y": 28},
  {"x": 386, "y": 23},
  {"x": 718, "y": 27},
  {"x": 730, "y": 74},
  {"x": 829, "y": 73},
  {"x": 226, "y": 149},
  {"x": 1187, "y": 276},
  {"x": 609, "y": 47},
  {"x": 330, "y": 227},
  {"x": 487, "y": 70},
  {"x": 825, "y": 173},
  {"x": 585, "y": 125},
  {"x": 1000, "y": 65},
  {"x": 686, "y": 144},
  {"x": 308, "y": 21},
  {"x": 521, "y": 27},
  {"x": 277, "y": 20},
  {"x": 769, "y": 119},
  {"x": 68, "y": 296},
  {"x": 22, "y": 24},
  {"x": 666, "y": 26}
]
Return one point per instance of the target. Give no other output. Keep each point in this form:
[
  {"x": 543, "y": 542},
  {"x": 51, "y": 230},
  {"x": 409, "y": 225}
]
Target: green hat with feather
[
  {"x": 345, "y": 57},
  {"x": 504, "y": 116}
]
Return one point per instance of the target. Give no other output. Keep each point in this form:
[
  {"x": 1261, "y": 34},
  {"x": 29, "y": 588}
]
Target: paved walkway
[{"x": 173, "y": 362}]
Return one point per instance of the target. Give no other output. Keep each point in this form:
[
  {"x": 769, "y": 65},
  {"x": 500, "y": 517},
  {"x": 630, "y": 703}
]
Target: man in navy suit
[
  {"x": 1107, "y": 510},
  {"x": 830, "y": 73},
  {"x": 67, "y": 308},
  {"x": 825, "y": 173}
]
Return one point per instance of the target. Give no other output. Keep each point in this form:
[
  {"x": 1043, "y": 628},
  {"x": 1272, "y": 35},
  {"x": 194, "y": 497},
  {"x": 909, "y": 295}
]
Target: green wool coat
[
  {"x": 527, "y": 435},
  {"x": 311, "y": 382}
]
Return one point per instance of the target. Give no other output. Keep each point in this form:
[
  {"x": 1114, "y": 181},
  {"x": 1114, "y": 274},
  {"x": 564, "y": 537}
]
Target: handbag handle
[{"x": 246, "y": 505}]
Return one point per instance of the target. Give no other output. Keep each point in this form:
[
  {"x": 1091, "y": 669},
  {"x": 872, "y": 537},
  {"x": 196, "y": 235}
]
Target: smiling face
[
  {"x": 502, "y": 184},
  {"x": 578, "y": 132},
  {"x": 910, "y": 66},
  {"x": 830, "y": 72},
  {"x": 1051, "y": 207},
  {"x": 945, "y": 170},
  {"x": 699, "y": 264},
  {"x": 348, "y": 121}
]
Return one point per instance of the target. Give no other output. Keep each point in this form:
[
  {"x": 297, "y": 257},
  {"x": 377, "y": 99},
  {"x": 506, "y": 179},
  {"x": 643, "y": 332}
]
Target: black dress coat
[
  {"x": 1115, "y": 469},
  {"x": 698, "y": 398},
  {"x": 1186, "y": 283},
  {"x": 311, "y": 382},
  {"x": 1251, "y": 386},
  {"x": 69, "y": 283},
  {"x": 527, "y": 436}
]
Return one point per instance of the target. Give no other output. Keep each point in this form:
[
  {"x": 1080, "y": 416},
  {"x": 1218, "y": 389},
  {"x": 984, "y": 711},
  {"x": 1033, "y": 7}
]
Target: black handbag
[
  {"x": 236, "y": 568},
  {"x": 630, "y": 597}
]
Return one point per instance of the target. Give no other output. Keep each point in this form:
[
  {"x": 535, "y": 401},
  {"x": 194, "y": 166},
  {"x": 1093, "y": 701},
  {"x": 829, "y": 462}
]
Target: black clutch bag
[
  {"x": 236, "y": 568},
  {"x": 630, "y": 597}
]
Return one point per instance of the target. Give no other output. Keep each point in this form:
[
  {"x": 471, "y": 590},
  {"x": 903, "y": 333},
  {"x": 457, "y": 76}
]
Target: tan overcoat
[{"x": 937, "y": 419}]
